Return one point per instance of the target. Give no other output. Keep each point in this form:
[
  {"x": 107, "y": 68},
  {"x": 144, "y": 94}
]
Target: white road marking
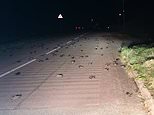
[
  {"x": 76, "y": 38},
  {"x": 4, "y": 74},
  {"x": 68, "y": 42},
  {"x": 79, "y": 36},
  {"x": 52, "y": 50}
]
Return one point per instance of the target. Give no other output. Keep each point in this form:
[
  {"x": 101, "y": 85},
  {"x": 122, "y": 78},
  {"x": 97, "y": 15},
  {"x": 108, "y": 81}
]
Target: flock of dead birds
[{"x": 107, "y": 65}]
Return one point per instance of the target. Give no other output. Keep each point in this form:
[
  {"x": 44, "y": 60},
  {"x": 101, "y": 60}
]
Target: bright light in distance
[
  {"x": 120, "y": 14},
  {"x": 79, "y": 27},
  {"x": 60, "y": 16},
  {"x": 92, "y": 20}
]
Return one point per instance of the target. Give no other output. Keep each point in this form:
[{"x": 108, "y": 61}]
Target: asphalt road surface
[{"x": 75, "y": 75}]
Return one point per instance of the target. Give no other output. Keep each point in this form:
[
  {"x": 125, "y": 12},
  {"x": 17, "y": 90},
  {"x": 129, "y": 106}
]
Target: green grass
[{"x": 140, "y": 58}]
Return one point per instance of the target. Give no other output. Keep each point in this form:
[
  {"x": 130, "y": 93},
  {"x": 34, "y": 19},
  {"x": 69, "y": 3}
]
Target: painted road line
[
  {"x": 4, "y": 74},
  {"x": 68, "y": 42},
  {"x": 76, "y": 38},
  {"x": 52, "y": 50}
]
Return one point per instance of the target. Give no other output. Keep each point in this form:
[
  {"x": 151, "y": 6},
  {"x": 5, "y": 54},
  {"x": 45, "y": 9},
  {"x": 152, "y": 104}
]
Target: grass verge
[{"x": 140, "y": 58}]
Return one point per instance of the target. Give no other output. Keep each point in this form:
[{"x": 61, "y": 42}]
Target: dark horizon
[{"x": 36, "y": 16}]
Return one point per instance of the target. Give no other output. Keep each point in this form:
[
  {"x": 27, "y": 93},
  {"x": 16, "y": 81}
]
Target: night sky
[{"x": 40, "y": 16}]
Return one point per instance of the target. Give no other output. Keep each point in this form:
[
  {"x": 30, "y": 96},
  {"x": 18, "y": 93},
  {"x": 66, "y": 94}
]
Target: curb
[{"x": 145, "y": 94}]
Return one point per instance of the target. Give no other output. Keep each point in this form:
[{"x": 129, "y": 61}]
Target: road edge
[{"x": 145, "y": 94}]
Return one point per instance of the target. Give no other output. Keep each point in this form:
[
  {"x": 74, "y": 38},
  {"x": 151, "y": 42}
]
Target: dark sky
[{"x": 41, "y": 15}]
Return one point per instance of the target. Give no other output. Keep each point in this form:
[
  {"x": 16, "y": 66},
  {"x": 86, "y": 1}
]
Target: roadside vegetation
[{"x": 140, "y": 59}]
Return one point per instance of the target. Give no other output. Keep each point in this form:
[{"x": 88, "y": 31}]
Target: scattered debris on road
[
  {"x": 129, "y": 94},
  {"x": 73, "y": 61},
  {"x": 40, "y": 60},
  {"x": 62, "y": 55},
  {"x": 92, "y": 77},
  {"x": 46, "y": 58},
  {"x": 82, "y": 56},
  {"x": 117, "y": 59},
  {"x": 81, "y": 66},
  {"x": 59, "y": 76},
  {"x": 106, "y": 68},
  {"x": 115, "y": 63},
  {"x": 108, "y": 64},
  {"x": 123, "y": 66},
  {"x": 14, "y": 97},
  {"x": 18, "y": 61},
  {"x": 54, "y": 54},
  {"x": 18, "y": 73},
  {"x": 96, "y": 48},
  {"x": 56, "y": 51}
]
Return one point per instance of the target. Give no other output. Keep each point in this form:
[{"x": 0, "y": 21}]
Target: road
[{"x": 78, "y": 75}]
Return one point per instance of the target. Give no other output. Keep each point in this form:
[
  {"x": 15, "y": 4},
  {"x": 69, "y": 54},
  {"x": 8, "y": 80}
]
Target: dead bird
[{"x": 92, "y": 77}]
